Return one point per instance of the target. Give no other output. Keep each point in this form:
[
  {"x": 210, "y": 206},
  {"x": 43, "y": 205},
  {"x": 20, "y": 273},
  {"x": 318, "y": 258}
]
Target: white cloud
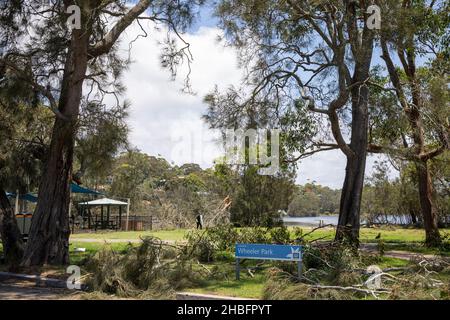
[
  {"x": 161, "y": 114},
  {"x": 328, "y": 168}
]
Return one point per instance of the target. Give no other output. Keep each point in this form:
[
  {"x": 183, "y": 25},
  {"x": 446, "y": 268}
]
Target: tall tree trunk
[
  {"x": 350, "y": 205},
  {"x": 50, "y": 230},
  {"x": 49, "y": 233},
  {"x": 429, "y": 215},
  {"x": 361, "y": 42},
  {"x": 10, "y": 233},
  {"x": 349, "y": 211},
  {"x": 351, "y": 196},
  {"x": 433, "y": 237}
]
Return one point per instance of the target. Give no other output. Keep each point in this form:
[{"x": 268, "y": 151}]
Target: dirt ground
[{"x": 22, "y": 290}]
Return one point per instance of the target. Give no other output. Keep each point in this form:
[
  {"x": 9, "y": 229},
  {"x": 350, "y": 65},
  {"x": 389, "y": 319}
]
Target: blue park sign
[{"x": 269, "y": 252}]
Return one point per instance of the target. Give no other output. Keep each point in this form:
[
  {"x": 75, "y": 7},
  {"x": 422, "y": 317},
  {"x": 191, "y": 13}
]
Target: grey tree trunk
[
  {"x": 432, "y": 235},
  {"x": 351, "y": 196}
]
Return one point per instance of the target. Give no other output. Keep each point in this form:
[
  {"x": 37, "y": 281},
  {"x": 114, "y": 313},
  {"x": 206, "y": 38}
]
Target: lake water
[
  {"x": 310, "y": 221},
  {"x": 333, "y": 220}
]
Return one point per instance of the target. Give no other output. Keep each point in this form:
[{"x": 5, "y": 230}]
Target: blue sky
[{"x": 206, "y": 18}]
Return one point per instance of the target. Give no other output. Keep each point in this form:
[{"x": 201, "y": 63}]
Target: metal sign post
[
  {"x": 238, "y": 269},
  {"x": 299, "y": 269},
  {"x": 268, "y": 252}
]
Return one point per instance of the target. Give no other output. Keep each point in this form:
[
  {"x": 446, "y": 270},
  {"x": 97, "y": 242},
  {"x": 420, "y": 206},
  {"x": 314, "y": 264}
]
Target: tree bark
[
  {"x": 361, "y": 43},
  {"x": 413, "y": 112},
  {"x": 49, "y": 233},
  {"x": 10, "y": 233},
  {"x": 351, "y": 196},
  {"x": 430, "y": 222},
  {"x": 50, "y": 230}
]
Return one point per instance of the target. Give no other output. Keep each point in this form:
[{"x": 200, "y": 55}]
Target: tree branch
[
  {"x": 29, "y": 79},
  {"x": 104, "y": 45}
]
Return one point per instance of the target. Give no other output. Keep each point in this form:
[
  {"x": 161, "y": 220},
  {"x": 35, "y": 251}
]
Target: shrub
[
  {"x": 148, "y": 270},
  {"x": 206, "y": 244},
  {"x": 280, "y": 235}
]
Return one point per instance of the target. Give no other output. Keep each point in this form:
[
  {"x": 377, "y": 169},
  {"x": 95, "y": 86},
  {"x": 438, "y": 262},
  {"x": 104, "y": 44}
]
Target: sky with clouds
[{"x": 165, "y": 121}]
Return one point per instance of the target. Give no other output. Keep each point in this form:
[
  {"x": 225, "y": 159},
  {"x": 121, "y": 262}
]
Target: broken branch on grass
[
  {"x": 373, "y": 292},
  {"x": 314, "y": 229}
]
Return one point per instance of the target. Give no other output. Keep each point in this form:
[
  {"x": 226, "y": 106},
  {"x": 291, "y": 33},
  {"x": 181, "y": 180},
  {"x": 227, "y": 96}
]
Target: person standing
[{"x": 199, "y": 220}]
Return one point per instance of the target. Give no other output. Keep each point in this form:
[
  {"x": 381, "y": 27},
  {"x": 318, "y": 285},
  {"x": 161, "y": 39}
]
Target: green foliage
[
  {"x": 398, "y": 197},
  {"x": 102, "y": 132},
  {"x": 297, "y": 128},
  {"x": 147, "y": 270},
  {"x": 224, "y": 256},
  {"x": 258, "y": 199},
  {"x": 212, "y": 243},
  {"x": 312, "y": 200}
]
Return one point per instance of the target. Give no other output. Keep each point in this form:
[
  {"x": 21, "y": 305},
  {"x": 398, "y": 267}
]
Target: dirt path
[
  {"x": 23, "y": 290},
  {"x": 106, "y": 240},
  {"x": 399, "y": 254},
  {"x": 96, "y": 240}
]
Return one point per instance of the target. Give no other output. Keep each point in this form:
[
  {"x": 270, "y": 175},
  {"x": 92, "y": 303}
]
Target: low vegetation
[{"x": 204, "y": 263}]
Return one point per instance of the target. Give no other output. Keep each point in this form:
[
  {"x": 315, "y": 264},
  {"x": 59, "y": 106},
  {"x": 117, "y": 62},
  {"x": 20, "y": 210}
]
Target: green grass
[
  {"x": 369, "y": 234},
  {"x": 253, "y": 287},
  {"x": 91, "y": 248},
  {"x": 388, "y": 262},
  {"x": 401, "y": 239},
  {"x": 416, "y": 248},
  {"x": 246, "y": 287}
]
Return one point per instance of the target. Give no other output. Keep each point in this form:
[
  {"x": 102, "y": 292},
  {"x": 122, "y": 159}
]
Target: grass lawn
[
  {"x": 402, "y": 239},
  {"x": 174, "y": 235},
  {"x": 91, "y": 248},
  {"x": 369, "y": 234},
  {"x": 246, "y": 287},
  {"x": 253, "y": 287}
]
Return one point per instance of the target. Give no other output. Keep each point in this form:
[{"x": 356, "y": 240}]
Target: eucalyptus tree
[
  {"x": 23, "y": 141},
  {"x": 307, "y": 66},
  {"x": 25, "y": 134},
  {"x": 61, "y": 47},
  {"x": 412, "y": 111},
  {"x": 102, "y": 132},
  {"x": 23, "y": 137}
]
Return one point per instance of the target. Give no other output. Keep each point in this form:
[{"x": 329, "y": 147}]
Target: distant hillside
[{"x": 312, "y": 200}]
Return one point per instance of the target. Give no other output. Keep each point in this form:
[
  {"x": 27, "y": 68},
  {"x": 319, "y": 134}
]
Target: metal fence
[{"x": 140, "y": 223}]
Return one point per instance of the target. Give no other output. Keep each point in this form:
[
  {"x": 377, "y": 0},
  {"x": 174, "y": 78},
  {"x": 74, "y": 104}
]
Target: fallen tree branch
[{"x": 365, "y": 291}]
